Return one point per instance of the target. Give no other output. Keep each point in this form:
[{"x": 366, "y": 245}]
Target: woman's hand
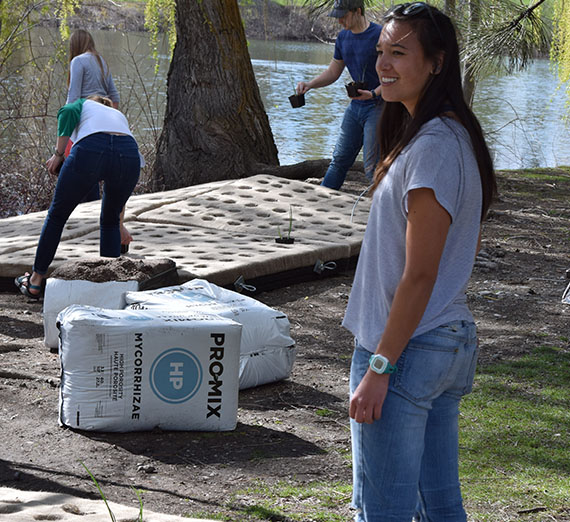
[
  {"x": 368, "y": 398},
  {"x": 54, "y": 164}
]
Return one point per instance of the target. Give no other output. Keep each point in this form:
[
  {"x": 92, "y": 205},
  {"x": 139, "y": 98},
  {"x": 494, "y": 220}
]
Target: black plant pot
[
  {"x": 352, "y": 88},
  {"x": 285, "y": 240},
  {"x": 297, "y": 100}
]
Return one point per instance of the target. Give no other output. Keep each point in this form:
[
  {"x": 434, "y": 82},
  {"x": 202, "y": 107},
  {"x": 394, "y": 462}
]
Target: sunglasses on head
[
  {"x": 410, "y": 9},
  {"x": 415, "y": 9}
]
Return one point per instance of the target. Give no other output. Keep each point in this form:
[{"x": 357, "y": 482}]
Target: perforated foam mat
[
  {"x": 217, "y": 231},
  {"x": 24, "y": 506}
]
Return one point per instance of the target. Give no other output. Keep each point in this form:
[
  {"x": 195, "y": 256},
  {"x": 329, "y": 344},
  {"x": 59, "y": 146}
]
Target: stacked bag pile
[{"x": 173, "y": 358}]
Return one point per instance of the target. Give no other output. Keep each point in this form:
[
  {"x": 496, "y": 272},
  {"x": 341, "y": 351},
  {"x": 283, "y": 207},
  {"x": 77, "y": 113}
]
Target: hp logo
[{"x": 175, "y": 375}]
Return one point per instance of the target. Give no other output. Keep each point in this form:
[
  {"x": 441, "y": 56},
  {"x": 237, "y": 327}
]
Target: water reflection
[{"x": 521, "y": 114}]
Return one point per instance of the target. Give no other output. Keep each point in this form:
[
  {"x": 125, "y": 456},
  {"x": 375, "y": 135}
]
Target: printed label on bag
[{"x": 176, "y": 375}]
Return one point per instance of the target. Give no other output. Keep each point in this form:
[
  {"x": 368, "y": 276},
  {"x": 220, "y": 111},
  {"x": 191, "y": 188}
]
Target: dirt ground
[{"x": 294, "y": 431}]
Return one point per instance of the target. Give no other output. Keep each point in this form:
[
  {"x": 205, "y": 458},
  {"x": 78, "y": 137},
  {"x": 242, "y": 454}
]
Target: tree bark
[
  {"x": 215, "y": 125},
  {"x": 302, "y": 171},
  {"x": 474, "y": 10},
  {"x": 449, "y": 7}
]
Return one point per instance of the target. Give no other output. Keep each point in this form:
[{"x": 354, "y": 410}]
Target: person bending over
[{"x": 105, "y": 150}]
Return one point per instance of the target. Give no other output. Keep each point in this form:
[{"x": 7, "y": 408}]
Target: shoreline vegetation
[{"x": 262, "y": 20}]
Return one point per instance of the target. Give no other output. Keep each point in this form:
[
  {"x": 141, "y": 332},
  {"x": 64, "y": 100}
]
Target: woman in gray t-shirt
[
  {"x": 415, "y": 339},
  {"x": 89, "y": 75}
]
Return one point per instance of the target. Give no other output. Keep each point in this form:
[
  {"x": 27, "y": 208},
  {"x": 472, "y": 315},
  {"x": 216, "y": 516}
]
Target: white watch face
[{"x": 378, "y": 363}]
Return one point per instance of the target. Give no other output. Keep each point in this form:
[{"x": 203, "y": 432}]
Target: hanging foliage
[
  {"x": 160, "y": 15},
  {"x": 509, "y": 35},
  {"x": 64, "y": 10},
  {"x": 15, "y": 18},
  {"x": 560, "y": 50}
]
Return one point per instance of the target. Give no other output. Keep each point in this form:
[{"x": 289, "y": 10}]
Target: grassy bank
[
  {"x": 514, "y": 451},
  {"x": 515, "y": 459}
]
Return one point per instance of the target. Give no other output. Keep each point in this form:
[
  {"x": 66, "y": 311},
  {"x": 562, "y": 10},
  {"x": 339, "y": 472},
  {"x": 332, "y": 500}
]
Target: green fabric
[{"x": 68, "y": 117}]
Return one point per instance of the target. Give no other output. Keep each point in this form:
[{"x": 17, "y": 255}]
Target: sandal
[{"x": 24, "y": 285}]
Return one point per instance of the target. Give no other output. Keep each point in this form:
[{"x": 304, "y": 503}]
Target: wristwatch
[
  {"x": 373, "y": 92},
  {"x": 380, "y": 364}
]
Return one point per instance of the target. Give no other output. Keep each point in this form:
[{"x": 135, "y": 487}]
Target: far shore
[{"x": 262, "y": 21}]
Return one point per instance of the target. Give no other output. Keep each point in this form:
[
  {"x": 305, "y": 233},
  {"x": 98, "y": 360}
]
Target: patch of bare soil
[{"x": 295, "y": 431}]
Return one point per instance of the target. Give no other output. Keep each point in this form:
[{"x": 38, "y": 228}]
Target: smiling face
[{"x": 402, "y": 67}]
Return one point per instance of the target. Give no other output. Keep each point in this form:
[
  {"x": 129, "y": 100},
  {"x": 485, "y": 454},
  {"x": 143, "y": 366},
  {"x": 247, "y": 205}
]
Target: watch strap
[{"x": 388, "y": 368}]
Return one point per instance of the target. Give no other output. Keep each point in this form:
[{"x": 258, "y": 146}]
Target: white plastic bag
[
  {"x": 267, "y": 351},
  {"x": 61, "y": 293},
  {"x": 130, "y": 370}
]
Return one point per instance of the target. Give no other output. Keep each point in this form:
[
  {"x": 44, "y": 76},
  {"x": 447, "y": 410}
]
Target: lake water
[{"x": 521, "y": 114}]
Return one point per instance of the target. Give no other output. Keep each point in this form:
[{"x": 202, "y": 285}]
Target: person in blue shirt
[{"x": 355, "y": 48}]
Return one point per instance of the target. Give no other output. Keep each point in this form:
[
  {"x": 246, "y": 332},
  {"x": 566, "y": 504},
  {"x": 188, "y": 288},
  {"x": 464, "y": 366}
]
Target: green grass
[
  {"x": 514, "y": 452},
  {"x": 316, "y": 501},
  {"x": 515, "y": 441},
  {"x": 325, "y": 412},
  {"x": 544, "y": 173},
  {"x": 138, "y": 493}
]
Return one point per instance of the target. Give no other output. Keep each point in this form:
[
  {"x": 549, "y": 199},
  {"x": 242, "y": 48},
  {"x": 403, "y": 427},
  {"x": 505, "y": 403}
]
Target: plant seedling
[
  {"x": 296, "y": 100},
  {"x": 111, "y": 514},
  {"x": 288, "y": 240},
  {"x": 353, "y": 87}
]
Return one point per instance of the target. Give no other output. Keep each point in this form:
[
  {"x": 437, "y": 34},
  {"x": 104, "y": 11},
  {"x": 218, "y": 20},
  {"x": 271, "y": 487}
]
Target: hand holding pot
[{"x": 302, "y": 88}]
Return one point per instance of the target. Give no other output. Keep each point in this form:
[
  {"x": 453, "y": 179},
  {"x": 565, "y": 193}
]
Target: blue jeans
[
  {"x": 358, "y": 128},
  {"x": 98, "y": 157},
  {"x": 406, "y": 463}
]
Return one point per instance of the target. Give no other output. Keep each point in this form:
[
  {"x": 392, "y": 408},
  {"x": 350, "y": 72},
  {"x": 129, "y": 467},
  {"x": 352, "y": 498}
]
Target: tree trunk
[
  {"x": 474, "y": 10},
  {"x": 215, "y": 125}
]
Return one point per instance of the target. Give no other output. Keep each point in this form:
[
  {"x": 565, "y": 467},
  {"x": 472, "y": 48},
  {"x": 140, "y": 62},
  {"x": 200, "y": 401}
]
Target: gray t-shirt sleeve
[
  {"x": 76, "y": 72},
  {"x": 434, "y": 165},
  {"x": 112, "y": 91}
]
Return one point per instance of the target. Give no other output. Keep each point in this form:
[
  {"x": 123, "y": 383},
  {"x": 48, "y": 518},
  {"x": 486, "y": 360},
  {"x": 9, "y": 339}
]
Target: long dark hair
[{"x": 442, "y": 93}]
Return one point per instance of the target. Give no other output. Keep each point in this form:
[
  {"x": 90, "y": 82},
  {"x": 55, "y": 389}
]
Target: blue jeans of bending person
[
  {"x": 406, "y": 463},
  {"x": 358, "y": 130},
  {"x": 98, "y": 157}
]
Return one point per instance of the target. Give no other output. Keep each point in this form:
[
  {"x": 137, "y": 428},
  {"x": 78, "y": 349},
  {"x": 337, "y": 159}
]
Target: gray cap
[{"x": 341, "y": 7}]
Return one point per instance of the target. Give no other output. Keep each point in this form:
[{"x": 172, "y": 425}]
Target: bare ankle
[{"x": 36, "y": 279}]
